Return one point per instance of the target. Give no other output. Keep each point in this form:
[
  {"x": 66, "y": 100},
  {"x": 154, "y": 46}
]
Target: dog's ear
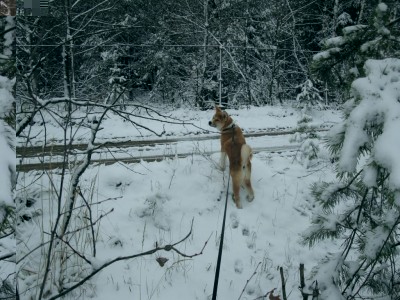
[
  {"x": 224, "y": 115},
  {"x": 217, "y": 108}
]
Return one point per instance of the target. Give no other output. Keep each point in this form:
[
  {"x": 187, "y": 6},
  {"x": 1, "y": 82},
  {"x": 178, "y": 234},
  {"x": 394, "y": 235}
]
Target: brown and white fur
[{"x": 239, "y": 153}]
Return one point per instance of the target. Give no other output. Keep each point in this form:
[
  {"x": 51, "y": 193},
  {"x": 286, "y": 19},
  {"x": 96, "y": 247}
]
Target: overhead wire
[{"x": 271, "y": 48}]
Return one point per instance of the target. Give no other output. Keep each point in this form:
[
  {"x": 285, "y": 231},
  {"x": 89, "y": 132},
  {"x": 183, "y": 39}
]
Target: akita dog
[{"x": 239, "y": 153}]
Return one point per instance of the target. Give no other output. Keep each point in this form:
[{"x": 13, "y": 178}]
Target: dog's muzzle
[{"x": 211, "y": 124}]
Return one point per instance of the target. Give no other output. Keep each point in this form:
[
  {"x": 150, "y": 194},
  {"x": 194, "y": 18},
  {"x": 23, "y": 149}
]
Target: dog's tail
[{"x": 246, "y": 154}]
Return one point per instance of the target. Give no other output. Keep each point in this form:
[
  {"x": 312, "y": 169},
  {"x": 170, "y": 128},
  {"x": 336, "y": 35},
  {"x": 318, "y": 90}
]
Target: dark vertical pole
[
  {"x": 221, "y": 243},
  {"x": 302, "y": 282},
  {"x": 283, "y": 284},
  {"x": 220, "y": 76}
]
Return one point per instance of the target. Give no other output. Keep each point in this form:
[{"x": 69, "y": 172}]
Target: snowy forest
[{"x": 110, "y": 184}]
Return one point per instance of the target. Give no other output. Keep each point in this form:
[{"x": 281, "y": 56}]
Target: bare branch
[
  {"x": 121, "y": 258},
  {"x": 7, "y": 255},
  {"x": 248, "y": 280}
]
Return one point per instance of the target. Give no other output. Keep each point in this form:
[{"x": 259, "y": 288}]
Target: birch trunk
[
  {"x": 361, "y": 14},
  {"x": 246, "y": 42},
  {"x": 335, "y": 17},
  {"x": 200, "y": 100}
]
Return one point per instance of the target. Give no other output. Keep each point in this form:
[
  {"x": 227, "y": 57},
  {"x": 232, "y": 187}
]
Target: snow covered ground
[
  {"x": 154, "y": 203},
  {"x": 7, "y": 171},
  {"x": 187, "y": 123}
]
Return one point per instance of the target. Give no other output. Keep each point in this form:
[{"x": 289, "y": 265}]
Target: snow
[
  {"x": 344, "y": 19},
  {"x": 374, "y": 241},
  {"x": 158, "y": 202},
  {"x": 326, "y": 54},
  {"x": 195, "y": 123},
  {"x": 354, "y": 71},
  {"x": 370, "y": 45},
  {"x": 7, "y": 142},
  {"x": 397, "y": 198},
  {"x": 370, "y": 174},
  {"x": 154, "y": 203},
  {"x": 387, "y": 149},
  {"x": 355, "y": 138},
  {"x": 7, "y": 170},
  {"x": 382, "y": 7},
  {"x": 334, "y": 42},
  {"x": 351, "y": 29},
  {"x": 7, "y": 164},
  {"x": 328, "y": 278},
  {"x": 6, "y": 98},
  {"x": 378, "y": 95},
  {"x": 95, "y": 263},
  {"x": 8, "y": 37}
]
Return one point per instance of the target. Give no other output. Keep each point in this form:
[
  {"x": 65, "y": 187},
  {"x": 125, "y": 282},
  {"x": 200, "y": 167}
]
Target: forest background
[{"x": 179, "y": 51}]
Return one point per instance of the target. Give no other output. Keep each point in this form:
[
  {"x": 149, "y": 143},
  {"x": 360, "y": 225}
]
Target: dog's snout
[{"x": 210, "y": 123}]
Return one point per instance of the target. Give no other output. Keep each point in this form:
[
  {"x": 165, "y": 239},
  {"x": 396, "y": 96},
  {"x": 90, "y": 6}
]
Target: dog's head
[{"x": 220, "y": 119}]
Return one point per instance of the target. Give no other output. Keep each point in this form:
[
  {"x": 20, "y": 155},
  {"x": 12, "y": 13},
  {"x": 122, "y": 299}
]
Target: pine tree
[
  {"x": 343, "y": 57},
  {"x": 306, "y": 134},
  {"x": 361, "y": 209}
]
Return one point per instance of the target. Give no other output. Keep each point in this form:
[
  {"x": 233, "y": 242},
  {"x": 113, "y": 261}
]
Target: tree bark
[{"x": 201, "y": 94}]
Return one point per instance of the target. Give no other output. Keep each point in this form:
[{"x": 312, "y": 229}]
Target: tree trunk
[
  {"x": 335, "y": 17},
  {"x": 360, "y": 15},
  {"x": 274, "y": 66},
  {"x": 201, "y": 95},
  {"x": 69, "y": 85},
  {"x": 246, "y": 42}
]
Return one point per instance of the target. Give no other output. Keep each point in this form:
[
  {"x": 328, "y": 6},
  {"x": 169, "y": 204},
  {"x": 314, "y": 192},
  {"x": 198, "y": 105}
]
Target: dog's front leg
[{"x": 222, "y": 161}]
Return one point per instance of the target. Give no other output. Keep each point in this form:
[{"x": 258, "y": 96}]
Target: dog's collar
[{"x": 231, "y": 126}]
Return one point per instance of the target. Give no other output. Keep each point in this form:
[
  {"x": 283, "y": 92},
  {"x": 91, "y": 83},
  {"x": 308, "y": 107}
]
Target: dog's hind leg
[
  {"x": 236, "y": 180},
  {"x": 247, "y": 154},
  {"x": 247, "y": 182}
]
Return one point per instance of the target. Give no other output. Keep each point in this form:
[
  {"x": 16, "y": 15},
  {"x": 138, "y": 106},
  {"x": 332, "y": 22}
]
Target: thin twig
[
  {"x": 248, "y": 280},
  {"x": 91, "y": 222}
]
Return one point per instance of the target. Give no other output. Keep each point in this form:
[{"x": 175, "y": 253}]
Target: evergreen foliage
[
  {"x": 361, "y": 209},
  {"x": 306, "y": 134},
  {"x": 309, "y": 95},
  {"x": 343, "y": 57}
]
